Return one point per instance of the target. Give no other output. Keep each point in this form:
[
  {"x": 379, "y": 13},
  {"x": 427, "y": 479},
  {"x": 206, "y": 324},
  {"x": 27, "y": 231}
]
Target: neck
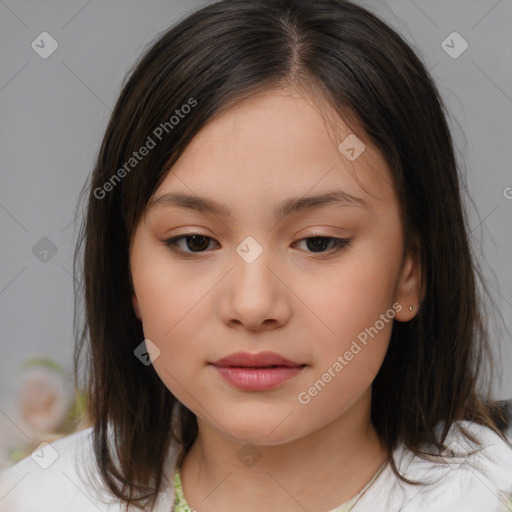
[{"x": 316, "y": 472}]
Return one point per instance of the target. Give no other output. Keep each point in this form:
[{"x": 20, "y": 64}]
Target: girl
[{"x": 281, "y": 304}]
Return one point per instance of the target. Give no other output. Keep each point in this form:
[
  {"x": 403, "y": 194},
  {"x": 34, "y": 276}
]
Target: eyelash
[{"x": 339, "y": 244}]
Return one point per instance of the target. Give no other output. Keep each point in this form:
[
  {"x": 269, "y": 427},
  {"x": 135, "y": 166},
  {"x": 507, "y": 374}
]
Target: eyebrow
[{"x": 283, "y": 209}]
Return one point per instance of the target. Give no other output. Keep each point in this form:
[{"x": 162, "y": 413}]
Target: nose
[{"x": 253, "y": 296}]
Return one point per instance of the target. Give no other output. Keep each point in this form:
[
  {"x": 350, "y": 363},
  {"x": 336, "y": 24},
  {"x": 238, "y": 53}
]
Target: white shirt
[{"x": 470, "y": 484}]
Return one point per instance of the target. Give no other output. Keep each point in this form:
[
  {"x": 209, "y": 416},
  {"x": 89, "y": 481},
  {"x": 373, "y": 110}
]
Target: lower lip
[{"x": 257, "y": 379}]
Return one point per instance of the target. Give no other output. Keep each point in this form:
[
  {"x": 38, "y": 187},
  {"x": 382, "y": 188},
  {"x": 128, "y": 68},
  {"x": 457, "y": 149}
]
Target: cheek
[
  {"x": 171, "y": 303},
  {"x": 166, "y": 294},
  {"x": 350, "y": 295},
  {"x": 345, "y": 365},
  {"x": 350, "y": 315}
]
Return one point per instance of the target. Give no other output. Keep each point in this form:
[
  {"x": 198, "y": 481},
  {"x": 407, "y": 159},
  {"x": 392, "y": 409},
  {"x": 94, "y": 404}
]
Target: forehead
[{"x": 275, "y": 145}]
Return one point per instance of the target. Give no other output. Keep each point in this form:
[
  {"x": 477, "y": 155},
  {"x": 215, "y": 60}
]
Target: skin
[{"x": 305, "y": 303}]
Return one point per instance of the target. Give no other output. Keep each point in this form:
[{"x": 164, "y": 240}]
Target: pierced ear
[
  {"x": 409, "y": 292},
  {"x": 136, "y": 307}
]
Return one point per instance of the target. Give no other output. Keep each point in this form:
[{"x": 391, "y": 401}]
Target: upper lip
[{"x": 261, "y": 359}]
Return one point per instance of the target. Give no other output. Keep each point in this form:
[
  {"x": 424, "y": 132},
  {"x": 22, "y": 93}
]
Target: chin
[{"x": 254, "y": 429}]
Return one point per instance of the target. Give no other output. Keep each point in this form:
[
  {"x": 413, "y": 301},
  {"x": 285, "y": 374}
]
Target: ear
[
  {"x": 136, "y": 307},
  {"x": 410, "y": 286}
]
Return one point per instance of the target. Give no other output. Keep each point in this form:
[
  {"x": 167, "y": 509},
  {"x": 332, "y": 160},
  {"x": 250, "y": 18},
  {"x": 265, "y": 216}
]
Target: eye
[
  {"x": 319, "y": 243},
  {"x": 198, "y": 243}
]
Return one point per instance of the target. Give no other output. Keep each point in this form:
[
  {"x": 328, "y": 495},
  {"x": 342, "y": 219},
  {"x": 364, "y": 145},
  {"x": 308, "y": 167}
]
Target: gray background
[{"x": 53, "y": 113}]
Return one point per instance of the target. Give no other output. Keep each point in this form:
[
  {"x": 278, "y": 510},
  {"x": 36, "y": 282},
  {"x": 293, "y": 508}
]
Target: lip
[
  {"x": 257, "y": 372},
  {"x": 259, "y": 360},
  {"x": 258, "y": 379}
]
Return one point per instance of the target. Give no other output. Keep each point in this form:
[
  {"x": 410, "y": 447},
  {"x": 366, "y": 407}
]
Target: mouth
[
  {"x": 258, "y": 378},
  {"x": 259, "y": 367},
  {"x": 257, "y": 372},
  {"x": 258, "y": 360}
]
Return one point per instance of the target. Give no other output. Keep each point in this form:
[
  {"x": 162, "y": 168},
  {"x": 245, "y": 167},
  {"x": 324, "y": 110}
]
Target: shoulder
[
  {"x": 468, "y": 477},
  {"x": 47, "y": 479},
  {"x": 61, "y": 476}
]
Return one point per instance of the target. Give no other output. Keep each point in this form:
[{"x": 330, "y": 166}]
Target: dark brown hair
[{"x": 363, "y": 70}]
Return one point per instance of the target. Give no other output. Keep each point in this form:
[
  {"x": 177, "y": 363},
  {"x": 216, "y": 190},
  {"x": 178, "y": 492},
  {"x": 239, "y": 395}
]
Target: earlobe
[{"x": 409, "y": 292}]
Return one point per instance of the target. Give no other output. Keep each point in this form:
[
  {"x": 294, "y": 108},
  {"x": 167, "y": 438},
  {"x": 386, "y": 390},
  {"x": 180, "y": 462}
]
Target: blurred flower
[
  {"x": 48, "y": 408},
  {"x": 43, "y": 397}
]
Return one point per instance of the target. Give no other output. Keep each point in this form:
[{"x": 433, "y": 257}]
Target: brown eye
[
  {"x": 195, "y": 243},
  {"x": 319, "y": 244}
]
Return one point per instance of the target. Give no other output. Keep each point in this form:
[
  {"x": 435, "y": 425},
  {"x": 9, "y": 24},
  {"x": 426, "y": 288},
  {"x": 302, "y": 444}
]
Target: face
[{"x": 319, "y": 284}]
